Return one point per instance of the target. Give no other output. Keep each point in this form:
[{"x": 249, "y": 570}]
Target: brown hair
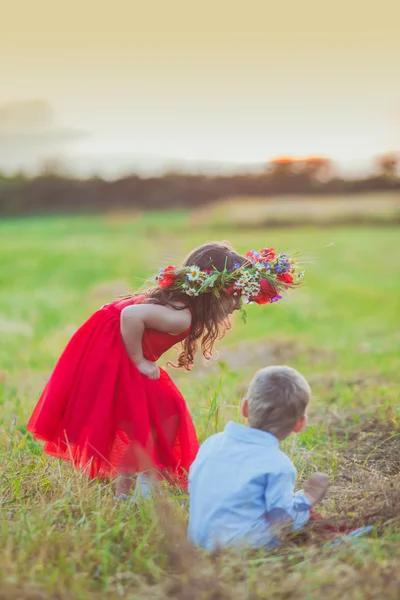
[{"x": 210, "y": 315}]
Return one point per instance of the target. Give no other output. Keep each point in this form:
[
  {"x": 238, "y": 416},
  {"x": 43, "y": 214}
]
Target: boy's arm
[{"x": 282, "y": 505}]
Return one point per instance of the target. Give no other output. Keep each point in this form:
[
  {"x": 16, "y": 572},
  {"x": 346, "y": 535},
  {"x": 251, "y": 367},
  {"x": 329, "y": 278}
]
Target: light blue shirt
[{"x": 240, "y": 485}]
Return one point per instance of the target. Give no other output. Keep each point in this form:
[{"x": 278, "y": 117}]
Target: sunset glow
[{"x": 165, "y": 81}]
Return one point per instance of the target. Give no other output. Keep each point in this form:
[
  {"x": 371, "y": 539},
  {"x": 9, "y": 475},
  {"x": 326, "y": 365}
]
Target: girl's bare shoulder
[{"x": 170, "y": 319}]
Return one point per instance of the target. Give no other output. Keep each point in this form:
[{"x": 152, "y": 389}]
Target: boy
[{"x": 241, "y": 484}]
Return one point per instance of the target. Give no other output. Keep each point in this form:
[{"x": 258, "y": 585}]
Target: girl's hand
[
  {"x": 138, "y": 317},
  {"x": 149, "y": 369}
]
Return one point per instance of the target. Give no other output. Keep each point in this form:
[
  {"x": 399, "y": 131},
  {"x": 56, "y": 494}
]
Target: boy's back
[{"x": 239, "y": 484}]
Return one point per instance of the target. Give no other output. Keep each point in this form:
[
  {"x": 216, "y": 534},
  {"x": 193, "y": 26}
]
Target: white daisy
[
  {"x": 255, "y": 290},
  {"x": 194, "y": 273},
  {"x": 241, "y": 282},
  {"x": 246, "y": 290},
  {"x": 263, "y": 268},
  {"x": 192, "y": 292}
]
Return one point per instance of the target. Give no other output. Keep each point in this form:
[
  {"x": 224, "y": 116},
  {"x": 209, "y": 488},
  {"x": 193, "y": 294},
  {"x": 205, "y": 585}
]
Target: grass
[
  {"x": 64, "y": 538},
  {"x": 372, "y": 209}
]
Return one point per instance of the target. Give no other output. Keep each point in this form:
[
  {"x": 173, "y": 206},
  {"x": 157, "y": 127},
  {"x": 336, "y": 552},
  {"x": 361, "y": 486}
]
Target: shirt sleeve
[{"x": 282, "y": 504}]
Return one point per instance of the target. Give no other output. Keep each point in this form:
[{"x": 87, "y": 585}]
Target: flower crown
[{"x": 260, "y": 280}]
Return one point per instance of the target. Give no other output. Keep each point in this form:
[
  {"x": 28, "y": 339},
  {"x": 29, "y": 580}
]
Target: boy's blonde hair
[{"x": 277, "y": 399}]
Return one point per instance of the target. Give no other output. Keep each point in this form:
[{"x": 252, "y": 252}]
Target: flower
[
  {"x": 253, "y": 256},
  {"x": 246, "y": 275},
  {"x": 260, "y": 280},
  {"x": 255, "y": 289},
  {"x": 244, "y": 280},
  {"x": 167, "y": 277},
  {"x": 194, "y": 273},
  {"x": 192, "y": 292},
  {"x": 268, "y": 253},
  {"x": 300, "y": 275},
  {"x": 263, "y": 267},
  {"x": 266, "y": 293},
  {"x": 285, "y": 278},
  {"x": 232, "y": 290},
  {"x": 282, "y": 267}
]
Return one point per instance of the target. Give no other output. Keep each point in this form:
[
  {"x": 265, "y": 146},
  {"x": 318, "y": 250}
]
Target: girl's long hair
[{"x": 210, "y": 315}]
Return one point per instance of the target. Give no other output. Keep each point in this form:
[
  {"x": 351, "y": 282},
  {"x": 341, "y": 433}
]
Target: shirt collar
[{"x": 250, "y": 435}]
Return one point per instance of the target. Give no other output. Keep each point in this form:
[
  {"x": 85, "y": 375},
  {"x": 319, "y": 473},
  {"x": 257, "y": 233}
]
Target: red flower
[
  {"x": 167, "y": 278},
  {"x": 233, "y": 290},
  {"x": 285, "y": 278},
  {"x": 267, "y": 292},
  {"x": 252, "y": 256},
  {"x": 268, "y": 253}
]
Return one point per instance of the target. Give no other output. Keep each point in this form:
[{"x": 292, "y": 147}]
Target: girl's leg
[
  {"x": 134, "y": 460},
  {"x": 124, "y": 484},
  {"x": 148, "y": 475},
  {"x": 148, "y": 480}
]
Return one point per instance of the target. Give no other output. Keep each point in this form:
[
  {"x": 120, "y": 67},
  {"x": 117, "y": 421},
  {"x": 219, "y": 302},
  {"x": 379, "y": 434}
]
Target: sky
[{"x": 209, "y": 81}]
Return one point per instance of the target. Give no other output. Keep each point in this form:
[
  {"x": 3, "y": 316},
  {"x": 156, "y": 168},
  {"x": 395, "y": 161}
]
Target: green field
[{"x": 62, "y": 538}]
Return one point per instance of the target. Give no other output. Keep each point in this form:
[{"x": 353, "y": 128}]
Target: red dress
[{"x": 101, "y": 414}]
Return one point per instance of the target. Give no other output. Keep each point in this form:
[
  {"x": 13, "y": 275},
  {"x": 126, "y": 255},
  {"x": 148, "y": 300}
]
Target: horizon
[{"x": 118, "y": 164}]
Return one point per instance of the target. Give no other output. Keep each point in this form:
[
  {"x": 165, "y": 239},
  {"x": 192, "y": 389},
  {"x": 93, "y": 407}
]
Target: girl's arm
[{"x": 138, "y": 317}]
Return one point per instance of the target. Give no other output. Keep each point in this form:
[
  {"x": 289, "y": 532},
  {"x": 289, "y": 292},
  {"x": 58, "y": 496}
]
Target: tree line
[{"x": 54, "y": 193}]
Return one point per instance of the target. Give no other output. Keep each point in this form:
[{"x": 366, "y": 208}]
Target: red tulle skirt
[{"x": 98, "y": 412}]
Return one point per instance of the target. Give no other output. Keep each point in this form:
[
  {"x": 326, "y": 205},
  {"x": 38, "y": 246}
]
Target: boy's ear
[
  {"x": 301, "y": 423},
  {"x": 245, "y": 408}
]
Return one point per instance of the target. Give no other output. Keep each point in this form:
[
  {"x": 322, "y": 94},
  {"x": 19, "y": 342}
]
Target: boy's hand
[{"x": 315, "y": 487}]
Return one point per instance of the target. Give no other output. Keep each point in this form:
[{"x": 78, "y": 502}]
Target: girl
[{"x": 108, "y": 408}]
